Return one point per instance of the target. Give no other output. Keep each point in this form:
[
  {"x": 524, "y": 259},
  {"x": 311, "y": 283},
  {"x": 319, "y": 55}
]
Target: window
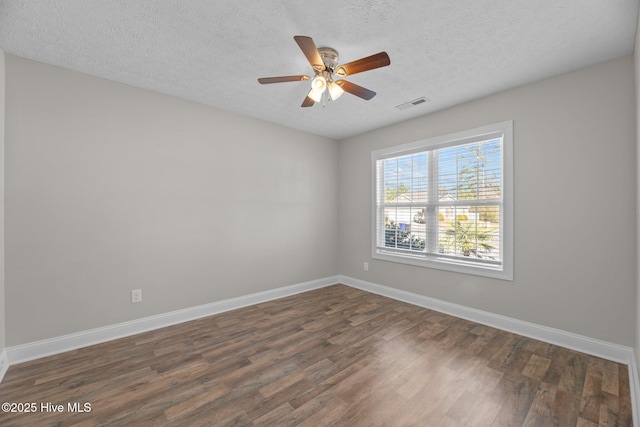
[{"x": 447, "y": 202}]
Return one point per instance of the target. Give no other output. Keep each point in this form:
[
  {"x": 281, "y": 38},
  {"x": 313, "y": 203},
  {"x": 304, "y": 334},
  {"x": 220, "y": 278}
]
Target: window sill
[{"x": 470, "y": 267}]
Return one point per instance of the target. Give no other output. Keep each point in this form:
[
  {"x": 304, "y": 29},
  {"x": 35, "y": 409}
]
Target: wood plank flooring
[{"x": 335, "y": 356}]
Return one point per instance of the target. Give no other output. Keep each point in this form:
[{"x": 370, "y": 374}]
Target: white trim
[
  {"x": 442, "y": 263},
  {"x": 634, "y": 390},
  {"x": 48, "y": 347},
  {"x": 606, "y": 350},
  {"x": 4, "y": 364},
  {"x": 603, "y": 349},
  {"x": 427, "y": 258},
  {"x": 594, "y": 347}
]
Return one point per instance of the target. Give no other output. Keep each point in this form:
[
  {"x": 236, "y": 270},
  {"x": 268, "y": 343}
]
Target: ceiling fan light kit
[
  {"x": 324, "y": 61},
  {"x": 322, "y": 82},
  {"x": 318, "y": 86},
  {"x": 335, "y": 91}
]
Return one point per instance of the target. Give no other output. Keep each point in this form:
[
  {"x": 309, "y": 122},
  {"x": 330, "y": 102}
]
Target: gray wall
[
  {"x": 111, "y": 188},
  {"x": 575, "y": 192}
]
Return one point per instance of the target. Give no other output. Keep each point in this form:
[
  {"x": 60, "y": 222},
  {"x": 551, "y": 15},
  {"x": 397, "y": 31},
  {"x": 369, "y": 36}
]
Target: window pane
[
  {"x": 418, "y": 229},
  {"x": 390, "y": 179},
  {"x": 490, "y": 170},
  {"x": 447, "y": 174},
  {"x": 469, "y": 231},
  {"x": 470, "y": 171},
  {"x": 394, "y": 216},
  {"x": 401, "y": 231},
  {"x": 419, "y": 177},
  {"x": 444, "y": 203},
  {"x": 405, "y": 179}
]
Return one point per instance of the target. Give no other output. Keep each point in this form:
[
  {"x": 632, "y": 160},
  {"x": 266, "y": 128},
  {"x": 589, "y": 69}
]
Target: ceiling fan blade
[
  {"x": 308, "y": 102},
  {"x": 365, "y": 64},
  {"x": 356, "y": 90},
  {"x": 282, "y": 79},
  {"x": 310, "y": 50}
]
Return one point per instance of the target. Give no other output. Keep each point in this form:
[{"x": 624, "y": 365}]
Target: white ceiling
[{"x": 212, "y": 52}]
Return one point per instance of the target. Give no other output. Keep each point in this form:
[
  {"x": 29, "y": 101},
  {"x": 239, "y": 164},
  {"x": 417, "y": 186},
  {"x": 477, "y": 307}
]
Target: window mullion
[
  {"x": 381, "y": 204},
  {"x": 431, "y": 217},
  {"x": 469, "y": 227}
]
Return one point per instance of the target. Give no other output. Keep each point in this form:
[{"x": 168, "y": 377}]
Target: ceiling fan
[{"x": 324, "y": 61}]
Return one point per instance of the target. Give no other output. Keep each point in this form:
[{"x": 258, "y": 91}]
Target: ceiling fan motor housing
[{"x": 329, "y": 57}]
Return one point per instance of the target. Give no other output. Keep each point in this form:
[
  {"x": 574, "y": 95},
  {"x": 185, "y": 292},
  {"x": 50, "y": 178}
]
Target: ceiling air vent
[{"x": 413, "y": 103}]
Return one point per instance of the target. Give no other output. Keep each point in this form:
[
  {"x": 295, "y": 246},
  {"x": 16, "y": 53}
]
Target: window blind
[{"x": 444, "y": 202}]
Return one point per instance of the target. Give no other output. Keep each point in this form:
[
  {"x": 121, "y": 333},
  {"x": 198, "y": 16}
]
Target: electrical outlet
[
  {"x": 136, "y": 295},
  {"x": 366, "y": 266}
]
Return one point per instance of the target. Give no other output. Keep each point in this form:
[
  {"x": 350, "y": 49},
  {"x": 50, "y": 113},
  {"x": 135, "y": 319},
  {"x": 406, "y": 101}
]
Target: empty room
[{"x": 347, "y": 213}]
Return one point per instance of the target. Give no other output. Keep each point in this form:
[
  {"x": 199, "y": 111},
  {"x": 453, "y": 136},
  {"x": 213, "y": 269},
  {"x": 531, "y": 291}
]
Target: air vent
[{"x": 413, "y": 103}]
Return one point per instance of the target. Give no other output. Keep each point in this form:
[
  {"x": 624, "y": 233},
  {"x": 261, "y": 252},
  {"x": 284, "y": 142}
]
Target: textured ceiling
[{"x": 213, "y": 51}]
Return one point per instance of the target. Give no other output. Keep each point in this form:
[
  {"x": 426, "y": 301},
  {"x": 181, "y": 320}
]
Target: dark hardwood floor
[{"x": 334, "y": 356}]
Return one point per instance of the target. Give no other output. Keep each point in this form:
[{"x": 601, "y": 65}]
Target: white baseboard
[
  {"x": 598, "y": 348},
  {"x": 4, "y": 364},
  {"x": 603, "y": 349},
  {"x": 634, "y": 389},
  {"x": 48, "y": 347}
]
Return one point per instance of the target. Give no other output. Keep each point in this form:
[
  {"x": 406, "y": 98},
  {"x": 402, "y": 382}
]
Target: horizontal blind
[{"x": 444, "y": 202}]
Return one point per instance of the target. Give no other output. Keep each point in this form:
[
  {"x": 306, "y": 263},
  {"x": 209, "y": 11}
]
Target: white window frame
[{"x": 502, "y": 271}]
